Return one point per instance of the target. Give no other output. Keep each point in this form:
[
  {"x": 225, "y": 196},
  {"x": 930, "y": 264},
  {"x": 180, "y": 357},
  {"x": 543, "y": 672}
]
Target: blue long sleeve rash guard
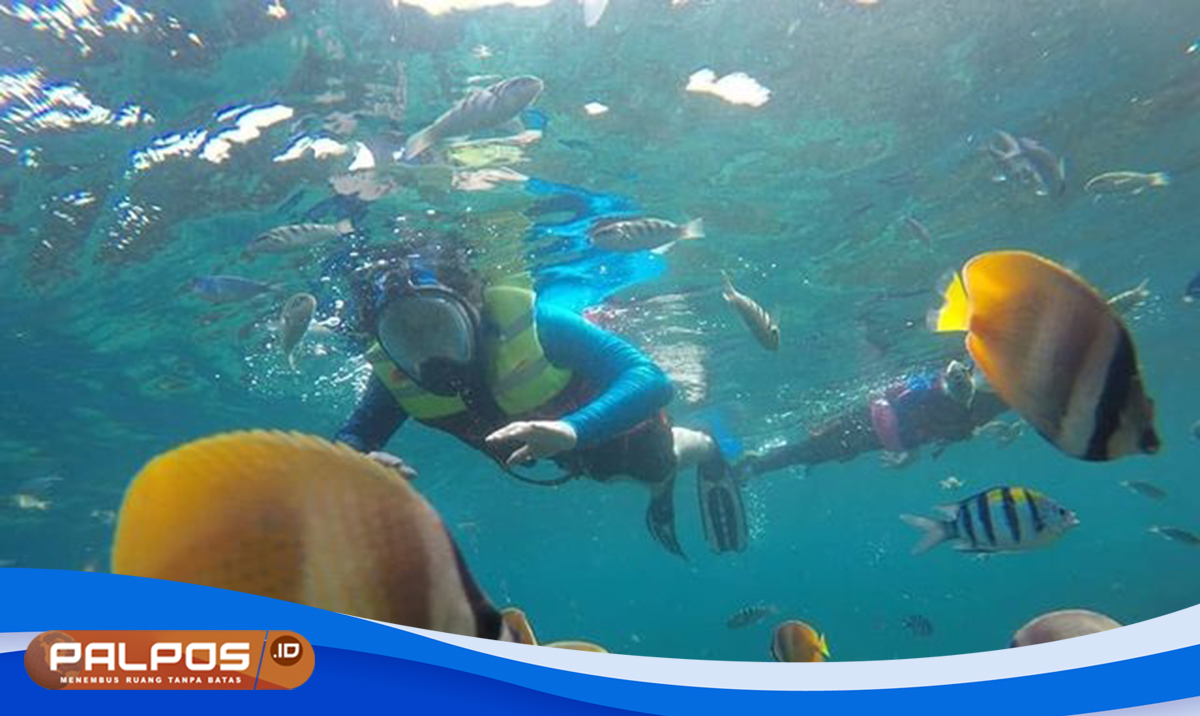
[{"x": 632, "y": 386}]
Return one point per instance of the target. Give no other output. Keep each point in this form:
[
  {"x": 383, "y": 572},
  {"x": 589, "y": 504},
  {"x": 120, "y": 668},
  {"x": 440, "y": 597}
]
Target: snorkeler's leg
[
  {"x": 838, "y": 440},
  {"x": 660, "y": 516},
  {"x": 721, "y": 507}
]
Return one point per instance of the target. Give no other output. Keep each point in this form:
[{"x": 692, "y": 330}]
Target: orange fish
[
  {"x": 578, "y": 646},
  {"x": 297, "y": 518},
  {"x": 796, "y": 641},
  {"x": 519, "y": 625},
  {"x": 1053, "y": 350}
]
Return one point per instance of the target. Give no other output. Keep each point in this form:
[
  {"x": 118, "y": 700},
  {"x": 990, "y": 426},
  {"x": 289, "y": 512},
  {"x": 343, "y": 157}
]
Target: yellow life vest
[{"x": 519, "y": 375}]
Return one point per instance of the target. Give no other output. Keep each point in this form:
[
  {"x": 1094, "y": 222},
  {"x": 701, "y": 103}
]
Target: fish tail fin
[
  {"x": 1160, "y": 179},
  {"x": 955, "y": 313},
  {"x": 693, "y": 229},
  {"x": 418, "y": 143},
  {"x": 935, "y": 532},
  {"x": 345, "y": 226},
  {"x": 593, "y": 10},
  {"x": 727, "y": 289}
]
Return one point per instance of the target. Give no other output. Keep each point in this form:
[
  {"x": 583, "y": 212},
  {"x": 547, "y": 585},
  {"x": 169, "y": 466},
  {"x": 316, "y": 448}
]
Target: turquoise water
[{"x": 117, "y": 187}]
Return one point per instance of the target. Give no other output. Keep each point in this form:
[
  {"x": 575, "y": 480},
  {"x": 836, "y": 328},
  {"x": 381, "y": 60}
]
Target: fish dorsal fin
[{"x": 955, "y": 313}]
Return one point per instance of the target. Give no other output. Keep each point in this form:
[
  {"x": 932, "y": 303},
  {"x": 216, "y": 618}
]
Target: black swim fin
[
  {"x": 721, "y": 507},
  {"x": 660, "y": 516}
]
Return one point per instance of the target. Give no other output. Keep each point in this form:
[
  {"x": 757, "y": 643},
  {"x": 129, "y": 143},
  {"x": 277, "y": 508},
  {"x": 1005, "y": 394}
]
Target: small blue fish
[
  {"x": 228, "y": 289},
  {"x": 1192, "y": 292}
]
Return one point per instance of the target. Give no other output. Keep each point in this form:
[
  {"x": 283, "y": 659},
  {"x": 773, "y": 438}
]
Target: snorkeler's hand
[
  {"x": 389, "y": 460},
  {"x": 542, "y": 438}
]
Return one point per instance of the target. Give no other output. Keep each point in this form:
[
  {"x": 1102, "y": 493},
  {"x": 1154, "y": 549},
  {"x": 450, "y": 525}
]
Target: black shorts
[{"x": 646, "y": 452}]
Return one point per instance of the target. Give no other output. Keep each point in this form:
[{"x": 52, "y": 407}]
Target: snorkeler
[
  {"x": 522, "y": 380},
  {"x": 939, "y": 408}
]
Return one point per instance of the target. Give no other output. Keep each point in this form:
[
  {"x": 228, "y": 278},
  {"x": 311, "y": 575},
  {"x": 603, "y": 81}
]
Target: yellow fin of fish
[{"x": 955, "y": 314}]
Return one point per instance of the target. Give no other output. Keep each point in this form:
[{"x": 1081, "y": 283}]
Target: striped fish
[
  {"x": 1053, "y": 350},
  {"x": 795, "y": 641},
  {"x": 750, "y": 615},
  {"x": 294, "y": 237},
  {"x": 1002, "y": 519},
  {"x": 481, "y": 109},
  {"x": 761, "y": 324},
  {"x": 643, "y": 234}
]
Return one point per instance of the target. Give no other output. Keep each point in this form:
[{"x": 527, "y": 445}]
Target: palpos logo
[{"x": 81, "y": 660}]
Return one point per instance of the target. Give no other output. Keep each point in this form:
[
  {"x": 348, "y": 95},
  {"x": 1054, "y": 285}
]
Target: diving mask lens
[{"x": 431, "y": 338}]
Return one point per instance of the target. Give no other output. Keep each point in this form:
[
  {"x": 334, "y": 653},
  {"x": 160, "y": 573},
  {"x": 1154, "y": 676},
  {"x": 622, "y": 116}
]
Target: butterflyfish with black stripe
[
  {"x": 297, "y": 518},
  {"x": 795, "y": 641},
  {"x": 1055, "y": 351},
  {"x": 1001, "y": 519}
]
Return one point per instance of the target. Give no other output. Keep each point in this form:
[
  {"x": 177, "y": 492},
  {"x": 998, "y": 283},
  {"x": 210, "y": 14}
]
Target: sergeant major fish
[
  {"x": 293, "y": 237},
  {"x": 761, "y": 324},
  {"x": 1002, "y": 519},
  {"x": 481, "y": 109},
  {"x": 294, "y": 321},
  {"x": 629, "y": 235}
]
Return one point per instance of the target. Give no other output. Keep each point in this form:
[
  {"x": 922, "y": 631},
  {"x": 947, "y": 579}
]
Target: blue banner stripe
[{"x": 418, "y": 670}]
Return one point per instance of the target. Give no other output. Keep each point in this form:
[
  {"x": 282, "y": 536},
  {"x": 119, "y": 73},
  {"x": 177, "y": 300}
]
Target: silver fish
[
  {"x": 294, "y": 321},
  {"x": 1126, "y": 301},
  {"x": 1025, "y": 159},
  {"x": 481, "y": 109},
  {"x": 228, "y": 289},
  {"x": 918, "y": 231},
  {"x": 643, "y": 234},
  {"x": 761, "y": 324},
  {"x": 1126, "y": 182},
  {"x": 293, "y": 237},
  {"x": 748, "y": 616},
  {"x": 1004, "y": 433},
  {"x": 1145, "y": 489},
  {"x": 593, "y": 10},
  {"x": 1177, "y": 534}
]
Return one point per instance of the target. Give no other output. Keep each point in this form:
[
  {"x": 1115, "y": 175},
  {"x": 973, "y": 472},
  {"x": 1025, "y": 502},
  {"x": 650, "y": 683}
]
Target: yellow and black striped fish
[
  {"x": 1002, "y": 519},
  {"x": 1055, "y": 351}
]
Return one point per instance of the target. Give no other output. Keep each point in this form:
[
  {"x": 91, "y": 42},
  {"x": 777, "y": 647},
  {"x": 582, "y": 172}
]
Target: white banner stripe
[
  {"x": 16, "y": 641},
  {"x": 1155, "y": 636}
]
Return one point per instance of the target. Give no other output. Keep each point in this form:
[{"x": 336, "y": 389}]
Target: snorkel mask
[
  {"x": 958, "y": 383},
  {"x": 427, "y": 330}
]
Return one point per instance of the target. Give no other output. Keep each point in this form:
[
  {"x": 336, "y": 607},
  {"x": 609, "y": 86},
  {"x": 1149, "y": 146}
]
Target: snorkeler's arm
[
  {"x": 634, "y": 388},
  {"x": 374, "y": 421}
]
